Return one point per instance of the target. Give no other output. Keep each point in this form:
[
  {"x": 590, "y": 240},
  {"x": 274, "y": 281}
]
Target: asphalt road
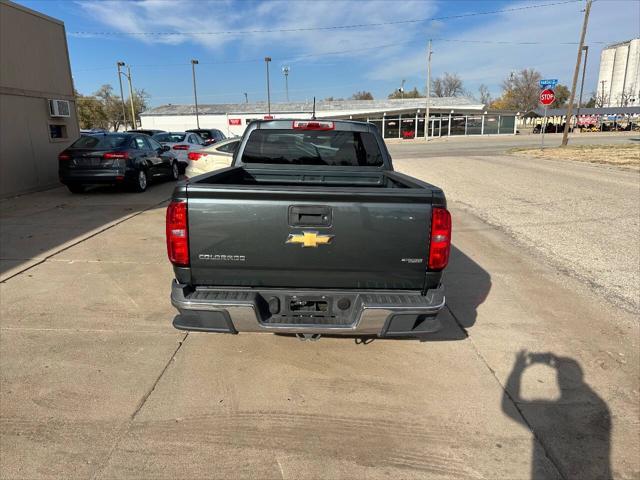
[
  {"x": 95, "y": 383},
  {"x": 583, "y": 219}
]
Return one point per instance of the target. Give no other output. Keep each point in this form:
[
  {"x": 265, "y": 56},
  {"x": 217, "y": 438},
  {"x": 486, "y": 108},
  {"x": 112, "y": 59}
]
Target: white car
[
  {"x": 181, "y": 143},
  {"x": 214, "y": 157}
]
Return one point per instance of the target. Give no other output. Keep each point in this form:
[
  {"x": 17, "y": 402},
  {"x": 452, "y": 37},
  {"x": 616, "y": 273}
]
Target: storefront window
[
  {"x": 474, "y": 124},
  {"x": 491, "y": 124},
  {"x": 458, "y": 125},
  {"x": 408, "y": 128},
  {"x": 392, "y": 127},
  {"x": 420, "y": 126},
  {"x": 507, "y": 124}
]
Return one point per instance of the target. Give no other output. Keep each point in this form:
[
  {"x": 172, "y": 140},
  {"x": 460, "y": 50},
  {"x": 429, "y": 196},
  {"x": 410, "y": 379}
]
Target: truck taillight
[
  {"x": 178, "y": 234},
  {"x": 440, "y": 243},
  {"x": 313, "y": 125}
]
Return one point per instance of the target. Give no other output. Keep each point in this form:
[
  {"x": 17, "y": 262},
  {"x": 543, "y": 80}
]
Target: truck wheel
[
  {"x": 141, "y": 181},
  {"x": 75, "y": 188}
]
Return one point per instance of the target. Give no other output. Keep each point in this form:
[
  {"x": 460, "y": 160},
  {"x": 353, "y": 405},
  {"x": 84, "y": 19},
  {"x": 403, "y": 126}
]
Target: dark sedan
[
  {"x": 210, "y": 135},
  {"x": 127, "y": 159}
]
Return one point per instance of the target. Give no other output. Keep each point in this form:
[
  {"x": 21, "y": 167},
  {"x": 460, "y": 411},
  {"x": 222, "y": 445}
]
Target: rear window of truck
[{"x": 333, "y": 148}]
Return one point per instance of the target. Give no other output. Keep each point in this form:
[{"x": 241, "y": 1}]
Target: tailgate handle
[{"x": 310, "y": 216}]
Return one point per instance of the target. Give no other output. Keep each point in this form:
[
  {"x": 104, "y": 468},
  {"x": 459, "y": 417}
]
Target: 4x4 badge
[{"x": 309, "y": 239}]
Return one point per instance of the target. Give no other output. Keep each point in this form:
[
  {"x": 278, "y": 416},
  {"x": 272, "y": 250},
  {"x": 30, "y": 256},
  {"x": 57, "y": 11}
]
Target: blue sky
[{"x": 374, "y": 58}]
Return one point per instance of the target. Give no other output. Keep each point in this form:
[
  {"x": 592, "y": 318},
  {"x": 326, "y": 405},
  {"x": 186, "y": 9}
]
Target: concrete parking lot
[{"x": 535, "y": 375}]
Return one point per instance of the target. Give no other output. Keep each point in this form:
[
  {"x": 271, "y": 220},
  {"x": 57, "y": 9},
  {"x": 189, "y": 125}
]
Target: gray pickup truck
[{"x": 309, "y": 232}]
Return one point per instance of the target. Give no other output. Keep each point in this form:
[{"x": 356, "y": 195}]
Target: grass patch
[{"x": 627, "y": 156}]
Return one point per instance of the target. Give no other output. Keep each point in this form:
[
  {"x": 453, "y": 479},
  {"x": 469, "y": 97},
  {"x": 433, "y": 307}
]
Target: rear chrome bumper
[{"x": 381, "y": 313}]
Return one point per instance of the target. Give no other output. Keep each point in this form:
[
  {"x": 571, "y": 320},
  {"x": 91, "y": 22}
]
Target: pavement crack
[
  {"x": 145, "y": 397},
  {"x": 124, "y": 429},
  {"x": 455, "y": 318}
]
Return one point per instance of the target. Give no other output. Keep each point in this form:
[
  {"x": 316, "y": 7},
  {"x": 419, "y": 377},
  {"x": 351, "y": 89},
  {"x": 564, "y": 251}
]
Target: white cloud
[
  {"x": 404, "y": 56},
  {"x": 197, "y": 16},
  {"x": 490, "y": 63}
]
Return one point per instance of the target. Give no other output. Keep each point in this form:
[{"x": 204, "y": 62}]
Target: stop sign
[{"x": 547, "y": 96}]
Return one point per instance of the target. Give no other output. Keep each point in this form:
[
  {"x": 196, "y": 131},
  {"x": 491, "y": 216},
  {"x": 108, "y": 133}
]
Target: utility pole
[
  {"x": 124, "y": 115},
  {"x": 572, "y": 97},
  {"x": 402, "y": 89},
  {"x": 133, "y": 111},
  {"x": 286, "y": 70},
  {"x": 427, "y": 114},
  {"x": 246, "y": 97},
  {"x": 584, "y": 68},
  {"x": 195, "y": 92},
  {"x": 602, "y": 82}
]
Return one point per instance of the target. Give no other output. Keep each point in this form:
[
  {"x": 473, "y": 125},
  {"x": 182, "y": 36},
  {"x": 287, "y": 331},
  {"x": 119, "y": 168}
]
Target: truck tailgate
[{"x": 302, "y": 239}]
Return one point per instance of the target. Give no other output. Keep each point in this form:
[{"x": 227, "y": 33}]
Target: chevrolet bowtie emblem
[{"x": 309, "y": 239}]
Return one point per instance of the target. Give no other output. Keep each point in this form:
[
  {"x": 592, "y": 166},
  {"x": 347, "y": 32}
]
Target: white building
[
  {"x": 619, "y": 78},
  {"x": 397, "y": 118}
]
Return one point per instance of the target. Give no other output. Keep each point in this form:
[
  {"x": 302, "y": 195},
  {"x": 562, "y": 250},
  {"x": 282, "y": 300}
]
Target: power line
[
  {"x": 353, "y": 50},
  {"x": 331, "y": 27}
]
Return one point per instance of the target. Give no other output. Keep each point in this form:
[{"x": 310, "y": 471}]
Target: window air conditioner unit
[{"x": 59, "y": 108}]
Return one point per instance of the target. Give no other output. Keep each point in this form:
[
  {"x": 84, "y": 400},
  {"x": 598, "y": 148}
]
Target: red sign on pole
[{"x": 547, "y": 96}]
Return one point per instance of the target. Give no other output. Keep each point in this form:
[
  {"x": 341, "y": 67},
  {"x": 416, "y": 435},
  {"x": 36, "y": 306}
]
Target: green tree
[
  {"x": 91, "y": 112},
  {"x": 112, "y": 105},
  {"x": 363, "y": 95},
  {"x": 591, "y": 103},
  {"x": 562, "y": 96},
  {"x": 407, "y": 94}
]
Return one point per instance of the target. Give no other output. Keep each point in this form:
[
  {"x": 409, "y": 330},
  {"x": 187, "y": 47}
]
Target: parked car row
[{"x": 137, "y": 157}]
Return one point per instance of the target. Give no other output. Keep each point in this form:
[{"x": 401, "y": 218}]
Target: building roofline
[
  {"x": 617, "y": 44},
  {"x": 24, "y": 9}
]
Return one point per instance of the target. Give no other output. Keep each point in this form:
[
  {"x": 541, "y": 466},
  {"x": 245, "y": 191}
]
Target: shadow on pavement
[
  {"x": 572, "y": 430},
  {"x": 36, "y": 225}
]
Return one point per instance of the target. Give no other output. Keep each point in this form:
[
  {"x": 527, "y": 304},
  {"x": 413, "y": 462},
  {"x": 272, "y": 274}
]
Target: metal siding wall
[{"x": 34, "y": 66}]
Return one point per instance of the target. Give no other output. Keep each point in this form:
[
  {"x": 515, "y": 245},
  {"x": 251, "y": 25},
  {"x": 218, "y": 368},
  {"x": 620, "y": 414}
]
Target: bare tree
[
  {"x": 485, "y": 94},
  {"x": 448, "y": 85},
  {"x": 520, "y": 91},
  {"x": 600, "y": 99},
  {"x": 362, "y": 96},
  {"x": 627, "y": 97}
]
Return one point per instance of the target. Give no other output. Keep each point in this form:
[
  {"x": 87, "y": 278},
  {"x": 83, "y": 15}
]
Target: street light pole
[
  {"x": 286, "y": 70},
  {"x": 133, "y": 111},
  {"x": 584, "y": 68},
  {"x": 266, "y": 61},
  {"x": 124, "y": 115},
  {"x": 246, "y": 97},
  {"x": 195, "y": 92}
]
